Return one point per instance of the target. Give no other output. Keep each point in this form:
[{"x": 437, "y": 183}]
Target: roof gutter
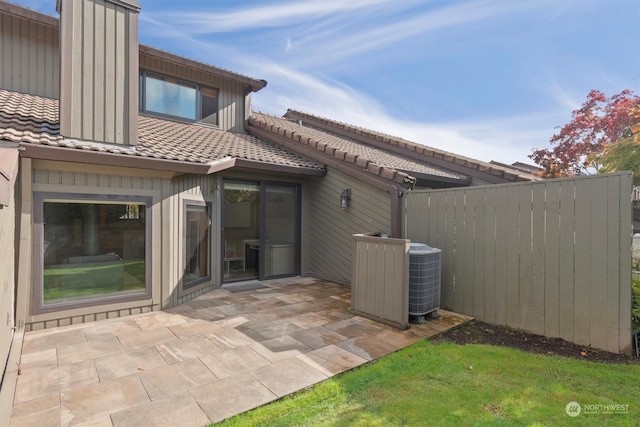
[
  {"x": 74, "y": 155},
  {"x": 395, "y": 191}
]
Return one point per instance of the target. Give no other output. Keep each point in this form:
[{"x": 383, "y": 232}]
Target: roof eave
[
  {"x": 453, "y": 162},
  {"x": 253, "y": 84},
  {"x": 380, "y": 176}
]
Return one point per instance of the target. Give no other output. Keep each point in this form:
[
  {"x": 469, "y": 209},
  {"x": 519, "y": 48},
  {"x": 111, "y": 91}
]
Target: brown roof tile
[
  {"x": 368, "y": 157},
  {"x": 34, "y": 120},
  {"x": 412, "y": 147}
]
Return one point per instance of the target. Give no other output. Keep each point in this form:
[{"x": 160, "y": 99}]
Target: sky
[{"x": 487, "y": 79}]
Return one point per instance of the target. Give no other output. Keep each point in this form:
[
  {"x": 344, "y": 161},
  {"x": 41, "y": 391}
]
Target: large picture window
[
  {"x": 197, "y": 241},
  {"x": 172, "y": 97},
  {"x": 90, "y": 249}
]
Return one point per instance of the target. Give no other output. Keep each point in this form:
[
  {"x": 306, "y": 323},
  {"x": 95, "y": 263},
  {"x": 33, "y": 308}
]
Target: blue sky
[{"x": 489, "y": 79}]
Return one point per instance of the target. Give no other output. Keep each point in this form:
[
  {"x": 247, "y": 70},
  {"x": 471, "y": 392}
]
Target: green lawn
[
  {"x": 451, "y": 385},
  {"x": 92, "y": 279}
]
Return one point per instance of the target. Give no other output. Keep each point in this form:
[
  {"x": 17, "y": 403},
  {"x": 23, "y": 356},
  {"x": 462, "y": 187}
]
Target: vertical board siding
[
  {"x": 65, "y": 181},
  {"x": 231, "y": 98},
  {"x": 331, "y": 228},
  {"x": 551, "y": 257},
  {"x": 7, "y": 285},
  {"x": 98, "y": 83},
  {"x": 380, "y": 279},
  {"x": 30, "y": 55}
]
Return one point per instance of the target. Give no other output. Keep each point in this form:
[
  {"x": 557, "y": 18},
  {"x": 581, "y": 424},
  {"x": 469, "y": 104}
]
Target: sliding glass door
[
  {"x": 280, "y": 229},
  {"x": 261, "y": 230}
]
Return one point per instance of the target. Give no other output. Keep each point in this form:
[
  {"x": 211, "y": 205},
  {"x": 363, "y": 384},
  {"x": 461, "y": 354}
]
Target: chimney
[{"x": 99, "y": 70}]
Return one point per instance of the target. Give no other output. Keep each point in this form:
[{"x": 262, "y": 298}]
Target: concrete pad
[
  {"x": 39, "y": 359},
  {"x": 231, "y": 396},
  {"x": 233, "y": 361},
  {"x": 89, "y": 350},
  {"x": 332, "y": 360},
  {"x": 287, "y": 376},
  {"x": 230, "y": 338},
  {"x": 37, "y": 383},
  {"x": 169, "y": 379},
  {"x": 178, "y": 351},
  {"x": 157, "y": 320},
  {"x": 200, "y": 303},
  {"x": 120, "y": 326},
  {"x": 38, "y": 341},
  {"x": 397, "y": 338},
  {"x": 179, "y": 409},
  {"x": 295, "y": 298},
  {"x": 207, "y": 314},
  {"x": 353, "y": 327},
  {"x": 195, "y": 328},
  {"x": 308, "y": 320},
  {"x": 237, "y": 309},
  {"x": 280, "y": 348},
  {"x": 49, "y": 418},
  {"x": 128, "y": 362},
  {"x": 38, "y": 412},
  {"x": 95, "y": 401},
  {"x": 265, "y": 304},
  {"x": 318, "y": 337},
  {"x": 368, "y": 347},
  {"x": 274, "y": 329},
  {"x": 147, "y": 338}
]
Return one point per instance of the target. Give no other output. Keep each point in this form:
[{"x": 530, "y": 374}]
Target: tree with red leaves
[{"x": 587, "y": 143}]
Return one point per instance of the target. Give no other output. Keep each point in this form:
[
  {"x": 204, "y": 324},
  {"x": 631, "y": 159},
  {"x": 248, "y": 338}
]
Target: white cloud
[
  {"x": 506, "y": 139},
  {"x": 270, "y": 15}
]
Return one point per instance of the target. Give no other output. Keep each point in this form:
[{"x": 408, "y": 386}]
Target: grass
[
  {"x": 452, "y": 385},
  {"x": 92, "y": 279}
]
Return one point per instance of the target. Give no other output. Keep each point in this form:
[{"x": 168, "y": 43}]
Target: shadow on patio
[{"x": 220, "y": 354}]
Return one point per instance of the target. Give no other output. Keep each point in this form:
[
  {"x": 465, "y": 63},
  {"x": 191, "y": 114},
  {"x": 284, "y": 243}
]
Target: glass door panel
[
  {"x": 280, "y": 229},
  {"x": 241, "y": 230}
]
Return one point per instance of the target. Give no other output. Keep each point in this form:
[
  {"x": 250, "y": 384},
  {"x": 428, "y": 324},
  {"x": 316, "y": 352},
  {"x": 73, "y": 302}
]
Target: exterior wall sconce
[{"x": 345, "y": 197}]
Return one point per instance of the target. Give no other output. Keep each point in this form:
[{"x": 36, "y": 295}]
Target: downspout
[{"x": 395, "y": 194}]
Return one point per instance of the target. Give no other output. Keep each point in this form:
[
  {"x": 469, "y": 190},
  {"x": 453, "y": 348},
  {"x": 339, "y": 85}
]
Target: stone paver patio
[{"x": 218, "y": 355}]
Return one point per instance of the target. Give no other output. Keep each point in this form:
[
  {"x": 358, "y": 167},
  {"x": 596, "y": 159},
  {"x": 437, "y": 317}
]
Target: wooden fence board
[
  {"x": 490, "y": 262},
  {"x": 538, "y": 231},
  {"x": 551, "y": 257},
  {"x": 567, "y": 260},
  {"x": 582, "y": 285},
  {"x": 524, "y": 270},
  {"x": 598, "y": 264}
]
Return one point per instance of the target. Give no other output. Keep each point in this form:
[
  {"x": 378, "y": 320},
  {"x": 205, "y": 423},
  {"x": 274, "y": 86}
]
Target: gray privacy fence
[
  {"x": 380, "y": 279},
  {"x": 551, "y": 257}
]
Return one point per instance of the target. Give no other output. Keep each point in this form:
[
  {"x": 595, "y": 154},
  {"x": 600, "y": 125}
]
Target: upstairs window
[{"x": 168, "y": 96}]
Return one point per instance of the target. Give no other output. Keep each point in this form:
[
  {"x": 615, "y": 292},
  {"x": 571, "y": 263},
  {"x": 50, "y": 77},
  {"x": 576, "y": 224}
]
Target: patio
[{"x": 218, "y": 355}]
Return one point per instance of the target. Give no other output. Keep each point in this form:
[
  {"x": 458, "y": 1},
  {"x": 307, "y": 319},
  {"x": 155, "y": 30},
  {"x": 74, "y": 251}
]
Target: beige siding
[
  {"x": 331, "y": 228},
  {"x": 380, "y": 280},
  {"x": 30, "y": 55},
  {"x": 199, "y": 188},
  {"x": 7, "y": 280},
  {"x": 99, "y": 86},
  {"x": 59, "y": 177},
  {"x": 551, "y": 257},
  {"x": 231, "y": 101}
]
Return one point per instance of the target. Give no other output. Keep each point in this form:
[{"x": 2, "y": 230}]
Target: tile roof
[
  {"x": 422, "y": 152},
  {"x": 34, "y": 120},
  {"x": 381, "y": 162}
]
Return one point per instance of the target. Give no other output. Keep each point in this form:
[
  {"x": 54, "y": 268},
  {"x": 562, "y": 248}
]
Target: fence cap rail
[{"x": 370, "y": 237}]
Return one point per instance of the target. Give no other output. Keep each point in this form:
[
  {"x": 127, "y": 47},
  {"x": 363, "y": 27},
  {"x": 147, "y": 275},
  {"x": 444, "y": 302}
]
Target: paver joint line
[{"x": 217, "y": 355}]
